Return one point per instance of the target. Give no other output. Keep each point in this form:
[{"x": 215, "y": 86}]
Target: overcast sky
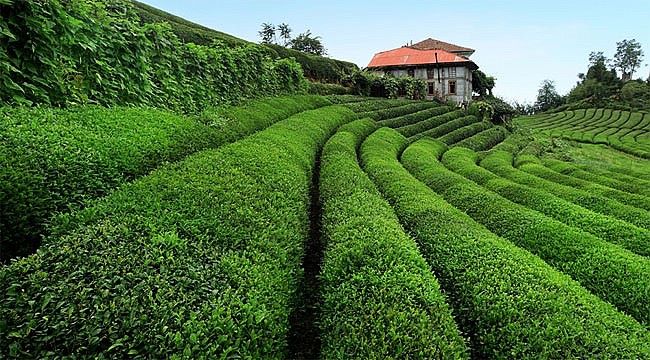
[{"x": 521, "y": 42}]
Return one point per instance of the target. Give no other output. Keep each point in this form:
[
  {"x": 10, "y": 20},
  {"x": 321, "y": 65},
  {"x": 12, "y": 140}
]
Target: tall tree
[
  {"x": 628, "y": 58},
  {"x": 308, "y": 43},
  {"x": 482, "y": 84},
  {"x": 285, "y": 33},
  {"x": 547, "y": 97},
  {"x": 267, "y": 33}
]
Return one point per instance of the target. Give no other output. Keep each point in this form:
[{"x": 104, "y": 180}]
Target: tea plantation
[{"x": 323, "y": 227}]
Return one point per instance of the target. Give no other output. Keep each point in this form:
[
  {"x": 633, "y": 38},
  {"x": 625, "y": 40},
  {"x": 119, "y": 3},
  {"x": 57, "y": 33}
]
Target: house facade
[{"x": 446, "y": 68}]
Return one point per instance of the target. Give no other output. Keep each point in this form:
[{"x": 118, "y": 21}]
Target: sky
[{"x": 521, "y": 43}]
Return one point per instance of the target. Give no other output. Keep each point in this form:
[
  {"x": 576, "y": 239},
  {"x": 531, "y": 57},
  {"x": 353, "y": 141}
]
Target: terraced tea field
[
  {"x": 339, "y": 227},
  {"x": 622, "y": 130}
]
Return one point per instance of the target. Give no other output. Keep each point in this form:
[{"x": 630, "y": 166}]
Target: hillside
[
  {"x": 338, "y": 221},
  {"x": 623, "y": 130},
  {"x": 317, "y": 68}
]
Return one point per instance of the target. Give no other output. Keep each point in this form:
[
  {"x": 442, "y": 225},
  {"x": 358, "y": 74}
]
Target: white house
[{"x": 445, "y": 67}]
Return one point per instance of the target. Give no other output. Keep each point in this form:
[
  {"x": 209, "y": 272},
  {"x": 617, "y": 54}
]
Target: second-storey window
[
  {"x": 452, "y": 72},
  {"x": 431, "y": 74},
  {"x": 411, "y": 72},
  {"x": 452, "y": 87}
]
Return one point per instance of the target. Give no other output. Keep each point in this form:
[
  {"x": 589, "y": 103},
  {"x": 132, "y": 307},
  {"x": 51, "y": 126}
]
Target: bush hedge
[
  {"x": 626, "y": 184},
  {"x": 533, "y": 165},
  {"x": 317, "y": 88},
  {"x": 380, "y": 300},
  {"x": 508, "y": 302},
  {"x": 463, "y": 161},
  {"x": 54, "y": 160},
  {"x": 501, "y": 163},
  {"x": 396, "y": 111},
  {"x": 200, "y": 259},
  {"x": 430, "y": 123},
  {"x": 452, "y": 122},
  {"x": 415, "y": 117},
  {"x": 485, "y": 140},
  {"x": 63, "y": 53},
  {"x": 614, "y": 274},
  {"x": 465, "y": 132}
]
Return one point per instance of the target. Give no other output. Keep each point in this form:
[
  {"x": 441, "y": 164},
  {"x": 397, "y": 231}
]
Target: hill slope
[{"x": 318, "y": 68}]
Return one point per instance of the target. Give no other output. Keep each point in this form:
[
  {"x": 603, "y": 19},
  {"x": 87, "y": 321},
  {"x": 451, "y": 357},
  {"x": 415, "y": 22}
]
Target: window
[
  {"x": 431, "y": 74},
  {"x": 432, "y": 89},
  {"x": 411, "y": 72},
  {"x": 452, "y": 72},
  {"x": 452, "y": 87}
]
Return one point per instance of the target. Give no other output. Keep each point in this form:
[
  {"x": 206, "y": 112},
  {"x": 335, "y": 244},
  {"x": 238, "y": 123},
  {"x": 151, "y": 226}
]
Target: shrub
[
  {"x": 415, "y": 117},
  {"x": 393, "y": 112},
  {"x": 198, "y": 259},
  {"x": 508, "y": 302},
  {"x": 63, "y": 53},
  {"x": 465, "y": 132},
  {"x": 484, "y": 140},
  {"x": 439, "y": 126},
  {"x": 501, "y": 163},
  {"x": 380, "y": 300},
  {"x": 463, "y": 162},
  {"x": 327, "y": 89},
  {"x": 54, "y": 160},
  {"x": 608, "y": 271}
]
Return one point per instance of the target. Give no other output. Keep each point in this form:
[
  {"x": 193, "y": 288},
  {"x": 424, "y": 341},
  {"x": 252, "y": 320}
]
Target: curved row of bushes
[
  {"x": 485, "y": 140},
  {"x": 415, "y": 117},
  {"x": 198, "y": 259},
  {"x": 453, "y": 122},
  {"x": 393, "y": 112},
  {"x": 616, "y": 275},
  {"x": 501, "y": 163},
  {"x": 508, "y": 302},
  {"x": 628, "y": 185},
  {"x": 56, "y": 160},
  {"x": 637, "y": 240},
  {"x": 533, "y": 165},
  {"x": 430, "y": 123},
  {"x": 61, "y": 53},
  {"x": 371, "y": 105},
  {"x": 465, "y": 132},
  {"x": 380, "y": 300}
]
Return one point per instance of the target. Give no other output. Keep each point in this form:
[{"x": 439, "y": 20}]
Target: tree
[
  {"x": 285, "y": 33},
  {"x": 547, "y": 97},
  {"x": 308, "y": 43},
  {"x": 482, "y": 84},
  {"x": 628, "y": 58},
  {"x": 599, "y": 69},
  {"x": 267, "y": 34}
]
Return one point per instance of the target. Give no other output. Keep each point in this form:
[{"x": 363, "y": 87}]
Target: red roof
[
  {"x": 432, "y": 44},
  {"x": 406, "y": 56}
]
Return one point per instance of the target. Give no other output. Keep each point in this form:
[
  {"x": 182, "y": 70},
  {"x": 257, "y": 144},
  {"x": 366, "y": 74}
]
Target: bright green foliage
[
  {"x": 380, "y": 299},
  {"x": 91, "y": 52},
  {"x": 485, "y": 140},
  {"x": 531, "y": 164},
  {"x": 628, "y": 185},
  {"x": 53, "y": 160},
  {"x": 509, "y": 302},
  {"x": 317, "y": 68},
  {"x": 371, "y": 104},
  {"x": 430, "y": 123},
  {"x": 200, "y": 259},
  {"x": 463, "y": 162},
  {"x": 414, "y": 117},
  {"x": 327, "y": 89},
  {"x": 465, "y": 132},
  {"x": 608, "y": 271},
  {"x": 500, "y": 163},
  {"x": 442, "y": 129},
  {"x": 393, "y": 112}
]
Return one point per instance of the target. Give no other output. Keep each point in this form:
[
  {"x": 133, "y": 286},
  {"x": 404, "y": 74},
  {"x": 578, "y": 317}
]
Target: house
[{"x": 445, "y": 67}]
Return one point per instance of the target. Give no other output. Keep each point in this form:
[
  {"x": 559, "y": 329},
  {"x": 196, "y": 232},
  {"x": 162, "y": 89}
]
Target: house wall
[{"x": 463, "y": 80}]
